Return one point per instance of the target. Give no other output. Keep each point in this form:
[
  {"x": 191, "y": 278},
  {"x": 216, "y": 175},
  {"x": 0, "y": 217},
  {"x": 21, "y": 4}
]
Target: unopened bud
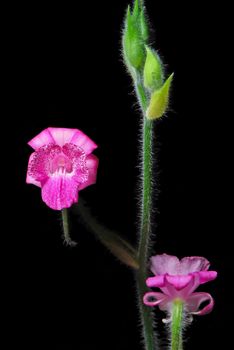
[
  {"x": 133, "y": 45},
  {"x": 159, "y": 100},
  {"x": 153, "y": 70}
]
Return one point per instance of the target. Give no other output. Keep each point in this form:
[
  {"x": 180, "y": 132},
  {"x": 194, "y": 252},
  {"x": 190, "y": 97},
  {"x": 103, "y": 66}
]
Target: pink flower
[
  {"x": 62, "y": 165},
  {"x": 178, "y": 279}
]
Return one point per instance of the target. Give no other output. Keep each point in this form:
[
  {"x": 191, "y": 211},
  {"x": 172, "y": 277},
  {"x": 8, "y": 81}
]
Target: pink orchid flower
[
  {"x": 62, "y": 165},
  {"x": 178, "y": 279}
]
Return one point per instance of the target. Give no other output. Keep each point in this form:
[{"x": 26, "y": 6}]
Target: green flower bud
[
  {"x": 133, "y": 45},
  {"x": 159, "y": 100},
  {"x": 153, "y": 70}
]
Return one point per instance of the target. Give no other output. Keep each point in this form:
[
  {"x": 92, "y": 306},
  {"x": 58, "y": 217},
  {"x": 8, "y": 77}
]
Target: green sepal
[
  {"x": 159, "y": 100},
  {"x": 136, "y": 10},
  {"x": 144, "y": 26}
]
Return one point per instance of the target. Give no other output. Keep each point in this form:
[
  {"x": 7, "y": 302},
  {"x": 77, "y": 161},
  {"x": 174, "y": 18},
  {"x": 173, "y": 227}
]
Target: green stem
[
  {"x": 176, "y": 325},
  {"x": 143, "y": 247},
  {"x": 142, "y": 97},
  {"x": 66, "y": 234}
]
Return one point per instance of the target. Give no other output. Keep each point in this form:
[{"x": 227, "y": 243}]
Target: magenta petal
[
  {"x": 39, "y": 166},
  {"x": 62, "y": 135},
  {"x": 158, "y": 298},
  {"x": 192, "y": 285},
  {"x": 178, "y": 282},
  {"x": 206, "y": 276},
  {"x": 162, "y": 264},
  {"x": 195, "y": 300},
  {"x": 193, "y": 264},
  {"x": 60, "y": 192},
  {"x": 83, "y": 141},
  {"x": 42, "y": 139},
  {"x": 29, "y": 178},
  {"x": 156, "y": 281},
  {"x": 92, "y": 165}
]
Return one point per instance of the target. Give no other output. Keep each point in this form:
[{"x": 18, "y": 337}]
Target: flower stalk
[
  {"x": 143, "y": 246},
  {"x": 146, "y": 70},
  {"x": 66, "y": 233},
  {"x": 177, "y": 325}
]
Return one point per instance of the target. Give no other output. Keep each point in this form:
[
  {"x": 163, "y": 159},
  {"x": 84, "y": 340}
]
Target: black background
[{"x": 66, "y": 71}]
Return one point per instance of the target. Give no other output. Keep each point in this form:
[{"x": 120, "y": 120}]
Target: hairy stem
[
  {"x": 176, "y": 325},
  {"x": 66, "y": 233},
  {"x": 146, "y": 198},
  {"x": 142, "y": 97}
]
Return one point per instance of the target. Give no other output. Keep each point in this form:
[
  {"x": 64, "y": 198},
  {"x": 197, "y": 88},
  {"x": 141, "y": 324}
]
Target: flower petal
[
  {"x": 83, "y": 141},
  {"x": 60, "y": 192},
  {"x": 29, "y": 178},
  {"x": 195, "y": 300},
  {"x": 62, "y": 136},
  {"x": 162, "y": 264},
  {"x": 206, "y": 276},
  {"x": 77, "y": 157},
  {"x": 92, "y": 165},
  {"x": 156, "y": 281},
  {"x": 157, "y": 298},
  {"x": 193, "y": 264},
  {"x": 178, "y": 282},
  {"x": 191, "y": 286},
  {"x": 39, "y": 163},
  {"x": 42, "y": 139}
]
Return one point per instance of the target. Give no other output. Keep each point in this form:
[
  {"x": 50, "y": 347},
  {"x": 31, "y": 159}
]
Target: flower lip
[{"x": 179, "y": 281}]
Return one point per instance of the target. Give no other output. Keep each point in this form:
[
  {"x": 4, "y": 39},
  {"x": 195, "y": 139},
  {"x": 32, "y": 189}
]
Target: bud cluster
[{"x": 144, "y": 63}]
